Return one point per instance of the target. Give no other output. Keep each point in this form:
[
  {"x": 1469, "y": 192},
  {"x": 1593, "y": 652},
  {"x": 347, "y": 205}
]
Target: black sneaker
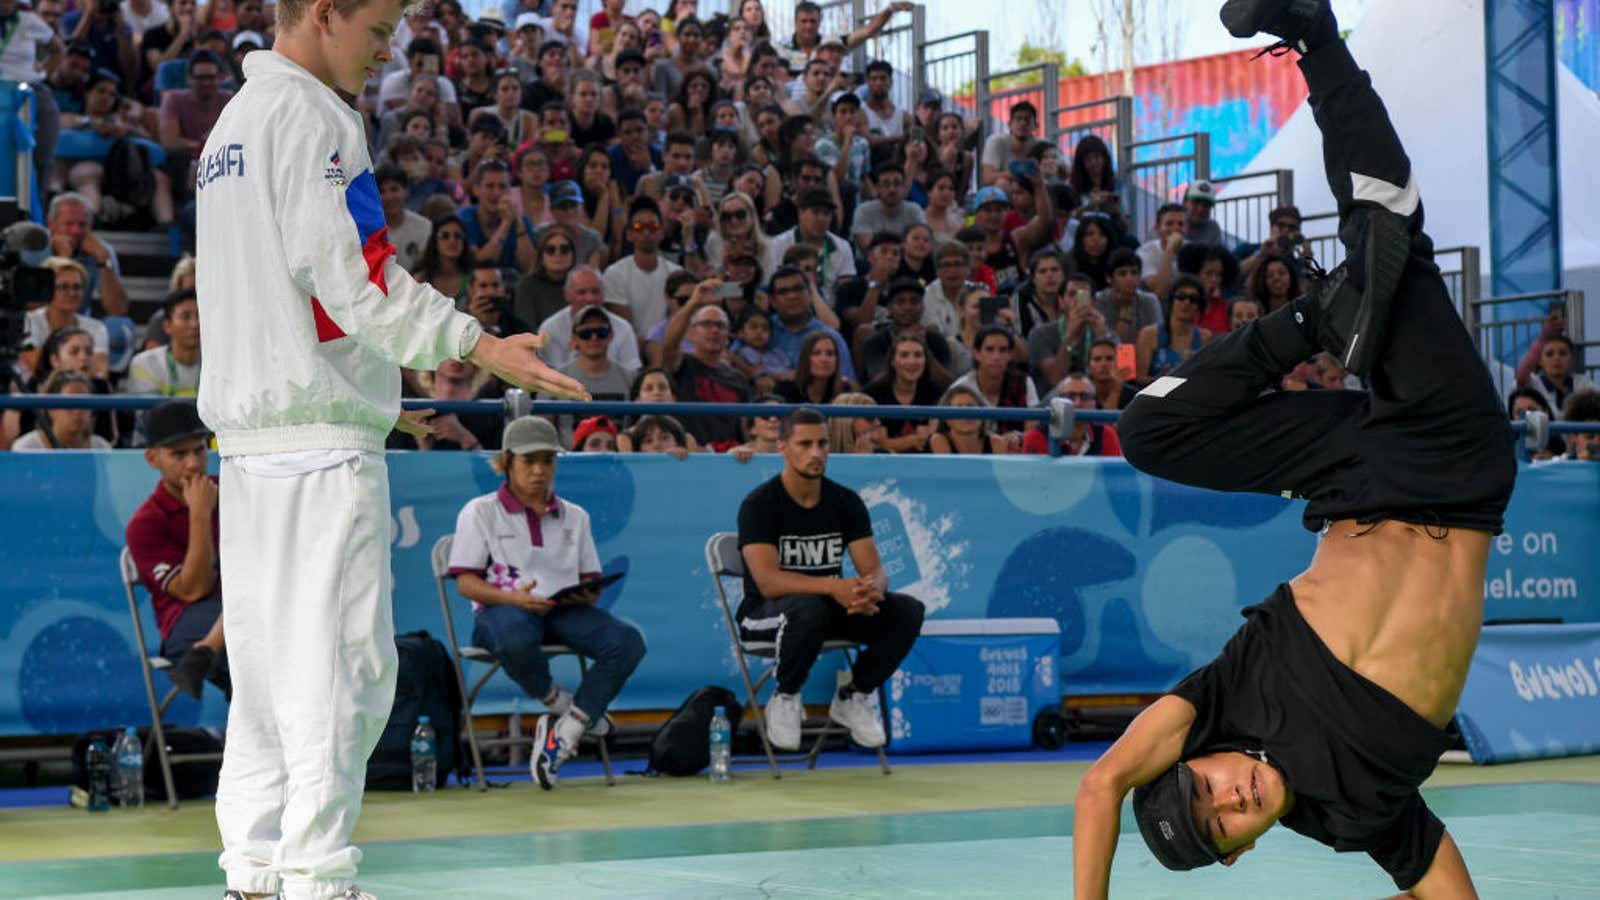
[
  {"x": 190, "y": 672},
  {"x": 1351, "y": 320},
  {"x": 1302, "y": 24}
]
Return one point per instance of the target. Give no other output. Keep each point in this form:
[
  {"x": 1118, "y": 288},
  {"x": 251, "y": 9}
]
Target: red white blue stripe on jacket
[{"x": 366, "y": 216}]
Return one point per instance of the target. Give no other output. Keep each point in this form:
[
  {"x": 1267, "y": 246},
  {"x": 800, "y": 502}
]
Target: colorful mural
[{"x": 1578, "y": 39}]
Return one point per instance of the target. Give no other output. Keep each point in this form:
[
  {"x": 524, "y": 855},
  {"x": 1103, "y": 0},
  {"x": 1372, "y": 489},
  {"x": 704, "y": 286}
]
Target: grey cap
[{"x": 530, "y": 434}]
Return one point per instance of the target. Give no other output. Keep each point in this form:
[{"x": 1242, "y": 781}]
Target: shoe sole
[
  {"x": 1388, "y": 246},
  {"x": 1244, "y": 18},
  {"x": 853, "y": 736},
  {"x": 540, "y": 766}
]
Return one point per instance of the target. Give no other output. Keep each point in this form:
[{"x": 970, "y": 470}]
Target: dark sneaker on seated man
[
  {"x": 173, "y": 540},
  {"x": 794, "y": 532}
]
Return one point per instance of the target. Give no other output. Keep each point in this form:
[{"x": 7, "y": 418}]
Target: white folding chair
[
  {"x": 441, "y": 571},
  {"x": 149, "y": 664},
  {"x": 724, "y": 561}
]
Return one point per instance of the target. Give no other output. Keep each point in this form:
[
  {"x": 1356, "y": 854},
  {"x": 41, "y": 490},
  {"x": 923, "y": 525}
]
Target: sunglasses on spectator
[
  {"x": 683, "y": 297},
  {"x": 735, "y": 215},
  {"x": 599, "y": 333},
  {"x": 1187, "y": 295},
  {"x": 646, "y": 227},
  {"x": 561, "y": 249}
]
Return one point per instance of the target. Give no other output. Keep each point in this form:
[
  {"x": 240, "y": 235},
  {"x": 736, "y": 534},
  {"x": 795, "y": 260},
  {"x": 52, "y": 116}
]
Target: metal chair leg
[{"x": 754, "y": 700}]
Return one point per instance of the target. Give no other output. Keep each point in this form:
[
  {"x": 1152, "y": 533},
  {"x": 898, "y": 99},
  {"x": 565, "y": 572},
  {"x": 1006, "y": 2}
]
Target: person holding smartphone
[{"x": 516, "y": 553}]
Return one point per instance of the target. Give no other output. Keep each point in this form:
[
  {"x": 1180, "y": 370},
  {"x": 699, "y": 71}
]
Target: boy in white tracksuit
[{"x": 305, "y": 320}]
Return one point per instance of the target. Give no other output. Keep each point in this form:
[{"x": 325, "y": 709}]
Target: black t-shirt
[
  {"x": 811, "y": 541},
  {"x": 600, "y": 131},
  {"x": 469, "y": 99},
  {"x": 876, "y": 348},
  {"x": 1353, "y": 753},
  {"x": 537, "y": 94},
  {"x": 882, "y": 390}
]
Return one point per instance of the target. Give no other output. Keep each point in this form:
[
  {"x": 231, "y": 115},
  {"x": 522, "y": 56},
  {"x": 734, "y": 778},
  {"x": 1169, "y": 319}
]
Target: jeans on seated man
[
  {"x": 173, "y": 540},
  {"x": 513, "y": 549},
  {"x": 794, "y": 531}
]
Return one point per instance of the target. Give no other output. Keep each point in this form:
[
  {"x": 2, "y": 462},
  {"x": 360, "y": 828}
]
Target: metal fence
[
  {"x": 1245, "y": 201},
  {"x": 1037, "y": 84},
  {"x": 1157, "y": 171},
  {"x": 1504, "y": 332},
  {"x": 899, "y": 45}
]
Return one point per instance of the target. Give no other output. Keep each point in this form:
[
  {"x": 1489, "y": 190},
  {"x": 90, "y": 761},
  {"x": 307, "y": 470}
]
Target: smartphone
[
  {"x": 916, "y": 133},
  {"x": 555, "y": 136},
  {"x": 730, "y": 289},
  {"x": 1080, "y": 298},
  {"x": 988, "y": 308}
]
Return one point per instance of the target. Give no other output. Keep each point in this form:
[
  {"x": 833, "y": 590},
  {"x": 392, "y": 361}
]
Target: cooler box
[{"x": 973, "y": 684}]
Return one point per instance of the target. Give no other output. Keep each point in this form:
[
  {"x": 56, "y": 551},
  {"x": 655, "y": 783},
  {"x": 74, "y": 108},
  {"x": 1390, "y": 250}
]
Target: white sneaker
[
  {"x": 558, "y": 701},
  {"x": 555, "y": 742},
  {"x": 859, "y": 714},
  {"x": 785, "y": 712}
]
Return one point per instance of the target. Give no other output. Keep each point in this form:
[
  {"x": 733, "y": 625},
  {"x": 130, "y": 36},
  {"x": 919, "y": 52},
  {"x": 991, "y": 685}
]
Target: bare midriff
[{"x": 1400, "y": 605}]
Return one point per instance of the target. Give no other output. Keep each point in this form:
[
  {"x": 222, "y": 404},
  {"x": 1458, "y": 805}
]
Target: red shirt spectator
[
  {"x": 158, "y": 538},
  {"x": 187, "y": 116}
]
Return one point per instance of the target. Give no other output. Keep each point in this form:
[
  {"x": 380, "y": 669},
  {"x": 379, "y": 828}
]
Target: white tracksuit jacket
[{"x": 304, "y": 316}]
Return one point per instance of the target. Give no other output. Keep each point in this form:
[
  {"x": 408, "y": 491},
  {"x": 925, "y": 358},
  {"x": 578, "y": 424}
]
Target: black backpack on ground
[
  {"x": 191, "y": 780},
  {"x": 682, "y": 746},
  {"x": 130, "y": 177},
  {"x": 426, "y": 686}
]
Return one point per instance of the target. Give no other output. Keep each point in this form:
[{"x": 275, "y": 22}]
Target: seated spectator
[
  {"x": 583, "y": 289},
  {"x": 1273, "y": 284},
  {"x": 1198, "y": 202},
  {"x": 996, "y": 377},
  {"x": 763, "y": 431},
  {"x": 63, "y": 429},
  {"x": 905, "y": 300},
  {"x": 632, "y": 157},
  {"x": 1555, "y": 378},
  {"x": 513, "y": 549},
  {"x": 408, "y": 231},
  {"x": 837, "y": 259},
  {"x": 174, "y": 39},
  {"x": 855, "y": 434},
  {"x": 487, "y": 302},
  {"x": 753, "y": 353},
  {"x": 889, "y": 211},
  {"x": 684, "y": 236},
  {"x": 596, "y": 434},
  {"x": 1091, "y": 250},
  {"x": 66, "y": 350},
  {"x": 566, "y": 208},
  {"x": 540, "y": 293},
  {"x": 87, "y": 141},
  {"x": 737, "y": 220},
  {"x": 636, "y": 285},
  {"x": 1087, "y": 439},
  {"x": 977, "y": 243},
  {"x": 1525, "y": 400},
  {"x": 1161, "y": 347},
  {"x": 656, "y": 434},
  {"x": 677, "y": 170},
  {"x": 794, "y": 531},
  {"x": 1242, "y": 312},
  {"x": 454, "y": 380},
  {"x": 1064, "y": 344},
  {"x": 1283, "y": 239},
  {"x": 181, "y": 279},
  {"x": 816, "y": 376},
  {"x": 679, "y": 289},
  {"x": 603, "y": 206},
  {"x": 591, "y": 363},
  {"x": 1094, "y": 177},
  {"x": 1582, "y": 406},
  {"x": 1159, "y": 256},
  {"x": 497, "y": 234},
  {"x": 1218, "y": 274},
  {"x": 945, "y": 214},
  {"x": 63, "y": 311},
  {"x": 941, "y": 302},
  {"x": 794, "y": 318},
  {"x": 863, "y": 302},
  {"x": 1001, "y": 150},
  {"x": 104, "y": 28},
  {"x": 690, "y": 111},
  {"x": 71, "y": 236},
  {"x": 532, "y": 168},
  {"x": 172, "y": 369},
  {"x": 1331, "y": 374},
  {"x": 907, "y": 381},
  {"x": 1003, "y": 250},
  {"x": 723, "y": 154},
  {"x": 446, "y": 261},
  {"x": 916, "y": 255},
  {"x": 806, "y": 258},
  {"x": 1042, "y": 297},
  {"x": 966, "y": 436},
  {"x": 1126, "y": 309},
  {"x": 423, "y": 60},
  {"x": 803, "y": 175},
  {"x": 173, "y": 539},
  {"x": 188, "y": 115},
  {"x": 1111, "y": 391},
  {"x": 703, "y": 375}
]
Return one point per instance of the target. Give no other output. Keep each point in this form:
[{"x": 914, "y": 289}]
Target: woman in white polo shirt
[{"x": 513, "y": 549}]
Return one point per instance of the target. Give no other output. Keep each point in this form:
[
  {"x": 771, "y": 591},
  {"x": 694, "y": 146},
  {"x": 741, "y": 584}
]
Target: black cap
[
  {"x": 816, "y": 199},
  {"x": 1163, "y": 812},
  {"x": 173, "y": 422},
  {"x": 906, "y": 284}
]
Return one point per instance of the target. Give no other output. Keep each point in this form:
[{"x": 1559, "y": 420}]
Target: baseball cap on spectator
[
  {"x": 627, "y": 56},
  {"x": 905, "y": 284},
  {"x": 1203, "y": 191},
  {"x": 931, "y": 98},
  {"x": 249, "y": 37},
  {"x": 532, "y": 20},
  {"x": 172, "y": 422},
  {"x": 493, "y": 18},
  {"x": 590, "y": 426},
  {"x": 833, "y": 40},
  {"x": 816, "y": 199},
  {"x": 677, "y": 182},
  {"x": 1287, "y": 211},
  {"x": 591, "y": 312},
  {"x": 561, "y": 192},
  {"x": 530, "y": 434},
  {"x": 81, "y": 49},
  {"x": 989, "y": 194}
]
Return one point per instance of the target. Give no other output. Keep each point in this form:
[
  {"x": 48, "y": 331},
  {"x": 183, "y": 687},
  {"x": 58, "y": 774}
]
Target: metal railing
[
  {"x": 1039, "y": 84},
  {"x": 1247, "y": 200},
  {"x": 1503, "y": 333},
  {"x": 1158, "y": 169},
  {"x": 899, "y": 46},
  {"x": 1110, "y": 119},
  {"x": 951, "y": 67}
]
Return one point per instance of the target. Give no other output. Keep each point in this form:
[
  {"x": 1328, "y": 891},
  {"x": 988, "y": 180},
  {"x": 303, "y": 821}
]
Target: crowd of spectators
[{"x": 580, "y": 178}]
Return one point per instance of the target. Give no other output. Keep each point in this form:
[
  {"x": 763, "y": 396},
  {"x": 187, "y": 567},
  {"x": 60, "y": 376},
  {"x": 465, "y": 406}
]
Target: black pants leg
[
  {"x": 1429, "y": 443},
  {"x": 800, "y": 623}
]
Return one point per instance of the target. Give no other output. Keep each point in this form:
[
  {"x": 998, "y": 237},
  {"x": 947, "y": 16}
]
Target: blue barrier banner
[
  {"x": 1533, "y": 693},
  {"x": 1145, "y": 578}
]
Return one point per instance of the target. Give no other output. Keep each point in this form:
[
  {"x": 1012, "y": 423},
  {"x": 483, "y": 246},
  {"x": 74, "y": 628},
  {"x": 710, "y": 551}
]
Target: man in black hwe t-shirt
[
  {"x": 1328, "y": 709},
  {"x": 794, "y": 531}
]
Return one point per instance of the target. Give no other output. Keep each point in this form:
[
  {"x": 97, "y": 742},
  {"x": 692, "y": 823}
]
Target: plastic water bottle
[
  {"x": 424, "y": 761},
  {"x": 98, "y": 760},
  {"x": 721, "y": 746},
  {"x": 130, "y": 769}
]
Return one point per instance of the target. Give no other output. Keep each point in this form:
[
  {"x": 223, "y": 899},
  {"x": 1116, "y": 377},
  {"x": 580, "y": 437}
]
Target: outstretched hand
[
  {"x": 415, "y": 422},
  {"x": 514, "y": 359}
]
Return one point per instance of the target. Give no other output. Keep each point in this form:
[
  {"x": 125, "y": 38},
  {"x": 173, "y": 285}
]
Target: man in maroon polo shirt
[{"x": 173, "y": 539}]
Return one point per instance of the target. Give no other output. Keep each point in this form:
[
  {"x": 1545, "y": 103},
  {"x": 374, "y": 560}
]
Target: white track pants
[{"x": 305, "y": 570}]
